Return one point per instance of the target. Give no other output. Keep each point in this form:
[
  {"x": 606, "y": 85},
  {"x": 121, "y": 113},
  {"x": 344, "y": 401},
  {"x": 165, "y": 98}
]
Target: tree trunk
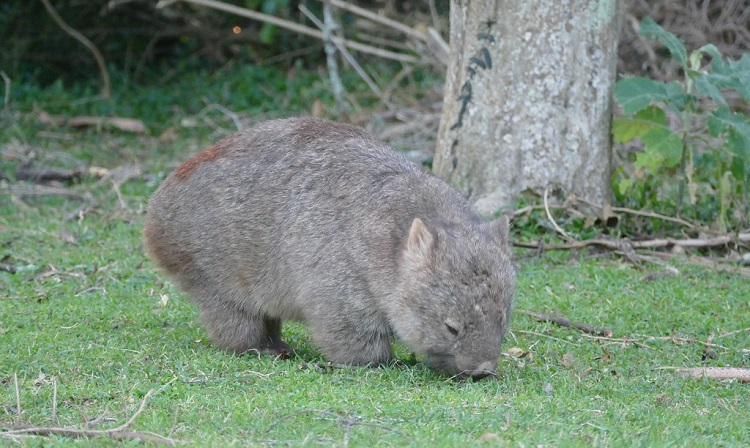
[{"x": 528, "y": 99}]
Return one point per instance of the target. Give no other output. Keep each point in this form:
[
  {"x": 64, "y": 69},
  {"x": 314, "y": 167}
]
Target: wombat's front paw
[
  {"x": 281, "y": 350},
  {"x": 448, "y": 364}
]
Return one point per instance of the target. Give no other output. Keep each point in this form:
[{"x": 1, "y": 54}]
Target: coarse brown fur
[{"x": 318, "y": 222}]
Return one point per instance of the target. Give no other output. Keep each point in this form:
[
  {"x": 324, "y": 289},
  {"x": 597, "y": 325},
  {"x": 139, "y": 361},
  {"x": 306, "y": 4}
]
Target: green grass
[{"x": 88, "y": 309}]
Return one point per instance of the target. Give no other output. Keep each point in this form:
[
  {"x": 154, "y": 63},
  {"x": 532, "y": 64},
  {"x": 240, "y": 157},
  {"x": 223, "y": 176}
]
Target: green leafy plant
[{"x": 695, "y": 135}]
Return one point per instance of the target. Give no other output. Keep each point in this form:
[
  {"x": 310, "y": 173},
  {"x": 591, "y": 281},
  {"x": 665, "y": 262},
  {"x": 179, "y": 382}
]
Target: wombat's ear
[
  {"x": 499, "y": 228},
  {"x": 420, "y": 244}
]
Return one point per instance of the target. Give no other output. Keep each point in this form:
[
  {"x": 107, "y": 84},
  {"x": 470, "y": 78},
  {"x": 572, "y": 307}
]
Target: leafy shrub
[{"x": 694, "y": 142}]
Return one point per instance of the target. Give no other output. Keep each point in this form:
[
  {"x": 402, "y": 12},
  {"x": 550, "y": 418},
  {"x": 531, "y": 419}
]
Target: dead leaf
[
  {"x": 488, "y": 436},
  {"x": 669, "y": 271},
  {"x": 67, "y": 237},
  {"x": 567, "y": 360}
]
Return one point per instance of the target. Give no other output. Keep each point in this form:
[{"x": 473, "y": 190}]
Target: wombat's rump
[{"x": 318, "y": 222}]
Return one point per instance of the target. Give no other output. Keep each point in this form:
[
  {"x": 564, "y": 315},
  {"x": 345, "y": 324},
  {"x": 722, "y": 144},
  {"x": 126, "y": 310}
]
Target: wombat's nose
[{"x": 484, "y": 369}]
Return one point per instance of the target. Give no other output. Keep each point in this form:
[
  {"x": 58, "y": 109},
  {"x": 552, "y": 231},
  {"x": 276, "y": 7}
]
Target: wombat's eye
[{"x": 452, "y": 328}]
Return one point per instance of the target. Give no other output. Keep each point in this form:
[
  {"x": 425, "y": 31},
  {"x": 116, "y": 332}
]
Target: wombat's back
[{"x": 285, "y": 207}]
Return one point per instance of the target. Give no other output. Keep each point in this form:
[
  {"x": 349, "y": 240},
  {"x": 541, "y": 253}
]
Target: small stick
[
  {"x": 650, "y": 214},
  {"x": 6, "y": 100},
  {"x": 742, "y": 237},
  {"x": 53, "y": 417},
  {"x": 281, "y": 23},
  {"x": 677, "y": 340},
  {"x": 561, "y": 321},
  {"x": 543, "y": 335},
  {"x": 619, "y": 341},
  {"x": 552, "y": 219},
  {"x": 342, "y": 49},
  {"x": 120, "y": 433},
  {"x": 136, "y": 414},
  {"x": 18, "y": 398},
  {"x": 731, "y": 333},
  {"x": 330, "y": 50}
]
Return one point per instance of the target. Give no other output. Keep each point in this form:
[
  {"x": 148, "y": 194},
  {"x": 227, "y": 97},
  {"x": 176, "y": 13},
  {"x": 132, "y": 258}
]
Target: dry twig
[
  {"x": 682, "y": 341},
  {"x": 615, "y": 244},
  {"x": 120, "y": 433},
  {"x": 342, "y": 49},
  {"x": 561, "y": 321},
  {"x": 6, "y": 99},
  {"x": 625, "y": 341},
  {"x": 281, "y": 23},
  {"x": 552, "y": 218}
]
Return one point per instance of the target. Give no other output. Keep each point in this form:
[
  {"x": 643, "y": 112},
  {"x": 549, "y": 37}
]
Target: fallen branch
[
  {"x": 543, "y": 336},
  {"x": 618, "y": 341},
  {"x": 27, "y": 173},
  {"x": 281, "y": 23},
  {"x": 618, "y": 244},
  {"x": 120, "y": 433},
  {"x": 431, "y": 38},
  {"x": 327, "y": 33},
  {"x": 681, "y": 341},
  {"x": 567, "y": 324},
  {"x": 6, "y": 99},
  {"x": 716, "y": 373},
  {"x": 722, "y": 264}
]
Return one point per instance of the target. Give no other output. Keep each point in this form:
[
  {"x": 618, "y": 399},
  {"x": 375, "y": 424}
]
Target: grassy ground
[{"x": 87, "y": 311}]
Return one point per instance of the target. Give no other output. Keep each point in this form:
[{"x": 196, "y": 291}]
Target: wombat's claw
[{"x": 280, "y": 352}]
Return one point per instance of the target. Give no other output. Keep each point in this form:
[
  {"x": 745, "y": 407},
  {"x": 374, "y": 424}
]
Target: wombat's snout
[{"x": 484, "y": 369}]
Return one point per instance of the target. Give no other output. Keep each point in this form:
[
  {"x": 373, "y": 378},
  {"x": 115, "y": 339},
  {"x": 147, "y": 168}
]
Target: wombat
[{"x": 318, "y": 222}]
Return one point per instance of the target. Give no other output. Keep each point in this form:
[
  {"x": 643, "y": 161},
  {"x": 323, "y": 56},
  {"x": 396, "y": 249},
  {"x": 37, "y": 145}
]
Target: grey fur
[{"x": 318, "y": 222}]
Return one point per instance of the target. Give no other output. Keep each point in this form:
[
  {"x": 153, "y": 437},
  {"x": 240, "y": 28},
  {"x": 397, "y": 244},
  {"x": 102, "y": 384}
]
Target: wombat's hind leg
[{"x": 237, "y": 331}]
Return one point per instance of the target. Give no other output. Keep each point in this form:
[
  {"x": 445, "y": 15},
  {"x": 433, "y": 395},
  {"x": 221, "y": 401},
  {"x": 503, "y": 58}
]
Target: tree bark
[{"x": 528, "y": 99}]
